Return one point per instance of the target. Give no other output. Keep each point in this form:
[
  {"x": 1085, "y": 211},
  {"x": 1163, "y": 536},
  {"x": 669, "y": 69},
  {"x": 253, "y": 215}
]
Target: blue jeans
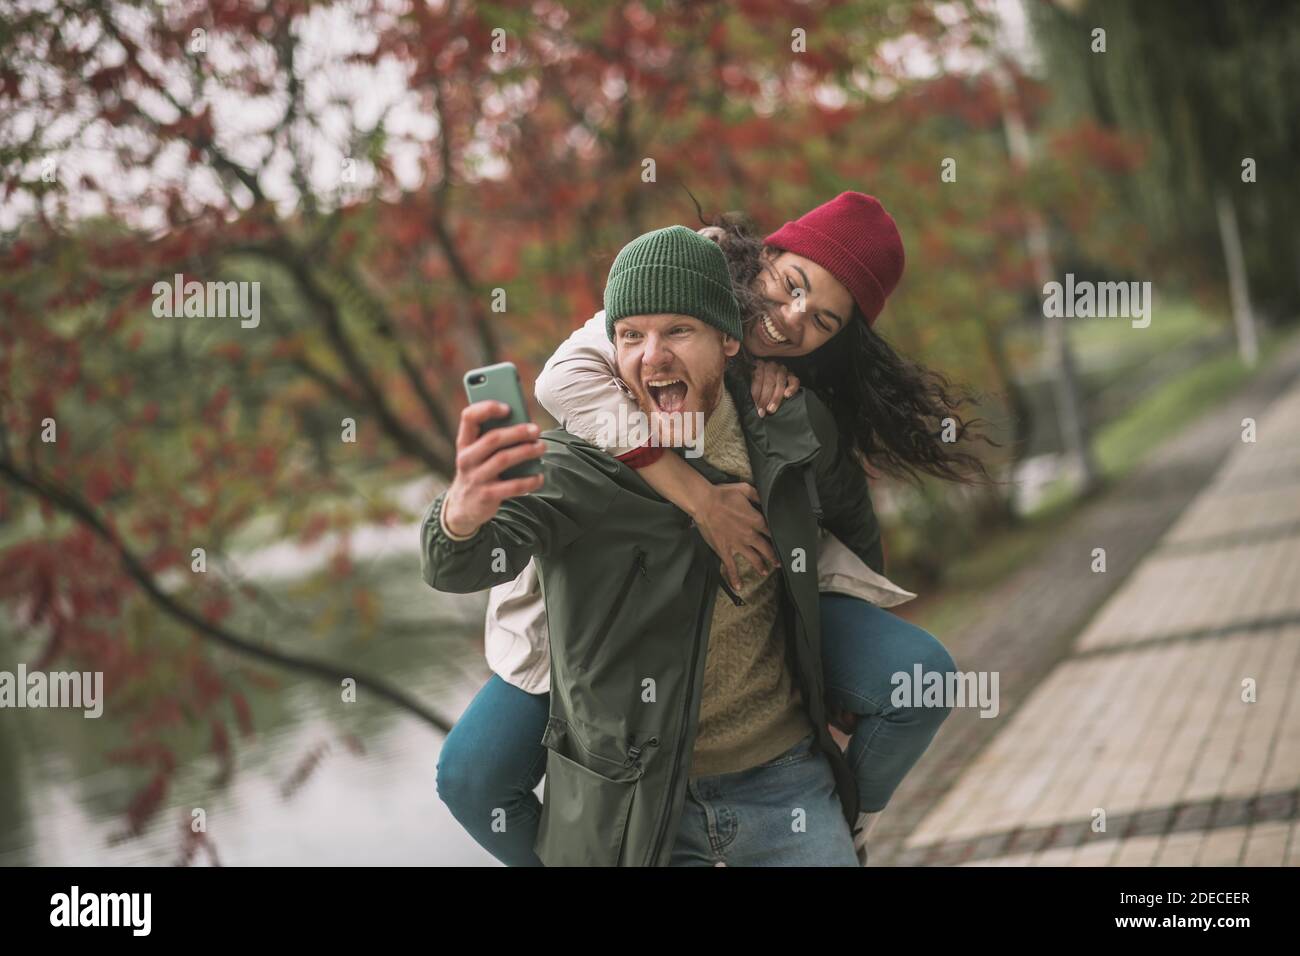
[
  {"x": 493, "y": 758},
  {"x": 780, "y": 813}
]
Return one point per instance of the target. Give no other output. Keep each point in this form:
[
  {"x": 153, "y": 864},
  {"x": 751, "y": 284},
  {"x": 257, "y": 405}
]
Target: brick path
[{"x": 1121, "y": 693}]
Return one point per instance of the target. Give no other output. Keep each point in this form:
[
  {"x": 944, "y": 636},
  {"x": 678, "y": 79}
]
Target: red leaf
[{"x": 99, "y": 486}]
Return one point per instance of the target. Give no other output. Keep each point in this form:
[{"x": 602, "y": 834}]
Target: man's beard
[{"x": 681, "y": 429}]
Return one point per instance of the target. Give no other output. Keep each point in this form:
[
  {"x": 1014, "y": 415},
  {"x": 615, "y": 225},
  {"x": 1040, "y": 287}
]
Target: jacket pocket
[{"x": 584, "y": 814}]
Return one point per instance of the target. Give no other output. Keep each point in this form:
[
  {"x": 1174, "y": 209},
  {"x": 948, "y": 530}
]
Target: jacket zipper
[
  {"x": 681, "y": 744},
  {"x": 736, "y": 599},
  {"x": 638, "y": 564}
]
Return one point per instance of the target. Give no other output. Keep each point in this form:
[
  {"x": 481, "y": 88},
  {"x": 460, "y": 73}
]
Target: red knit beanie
[{"x": 856, "y": 241}]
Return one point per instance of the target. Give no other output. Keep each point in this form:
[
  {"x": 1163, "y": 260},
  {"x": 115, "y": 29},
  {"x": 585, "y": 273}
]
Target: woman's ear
[{"x": 712, "y": 232}]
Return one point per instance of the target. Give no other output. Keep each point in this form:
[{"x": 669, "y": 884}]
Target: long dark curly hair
[{"x": 889, "y": 410}]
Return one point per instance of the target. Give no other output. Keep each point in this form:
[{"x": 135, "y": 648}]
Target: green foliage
[{"x": 1201, "y": 86}]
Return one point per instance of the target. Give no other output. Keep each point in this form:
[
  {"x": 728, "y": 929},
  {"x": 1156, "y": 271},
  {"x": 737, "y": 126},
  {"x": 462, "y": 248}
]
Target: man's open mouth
[{"x": 668, "y": 394}]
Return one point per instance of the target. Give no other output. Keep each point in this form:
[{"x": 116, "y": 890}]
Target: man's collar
[{"x": 784, "y": 435}]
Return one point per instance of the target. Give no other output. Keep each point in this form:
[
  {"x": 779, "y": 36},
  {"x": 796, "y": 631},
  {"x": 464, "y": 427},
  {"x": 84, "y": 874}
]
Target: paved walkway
[{"x": 1123, "y": 737}]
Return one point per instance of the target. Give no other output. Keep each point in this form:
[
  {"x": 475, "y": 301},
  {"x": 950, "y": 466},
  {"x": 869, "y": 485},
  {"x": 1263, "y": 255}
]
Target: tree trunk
[
  {"x": 1018, "y": 407},
  {"x": 1069, "y": 408},
  {"x": 1243, "y": 318}
]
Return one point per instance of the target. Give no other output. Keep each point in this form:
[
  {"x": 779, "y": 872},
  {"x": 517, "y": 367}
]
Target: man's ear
[{"x": 730, "y": 346}]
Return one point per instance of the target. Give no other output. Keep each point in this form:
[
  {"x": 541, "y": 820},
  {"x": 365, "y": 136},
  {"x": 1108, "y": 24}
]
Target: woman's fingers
[
  {"x": 731, "y": 571},
  {"x": 734, "y": 528},
  {"x": 753, "y": 516},
  {"x": 758, "y": 387},
  {"x": 763, "y": 548},
  {"x": 772, "y": 385},
  {"x": 757, "y": 562},
  {"x": 769, "y": 386}
]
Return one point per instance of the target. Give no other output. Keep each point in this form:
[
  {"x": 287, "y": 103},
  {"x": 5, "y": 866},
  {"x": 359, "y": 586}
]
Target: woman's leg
[
  {"x": 489, "y": 765},
  {"x": 862, "y": 647}
]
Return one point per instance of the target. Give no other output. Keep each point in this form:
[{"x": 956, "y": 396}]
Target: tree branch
[
  {"x": 74, "y": 506},
  {"x": 328, "y": 310}
]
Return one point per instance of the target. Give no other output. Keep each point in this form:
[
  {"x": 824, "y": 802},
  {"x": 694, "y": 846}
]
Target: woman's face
[{"x": 809, "y": 306}]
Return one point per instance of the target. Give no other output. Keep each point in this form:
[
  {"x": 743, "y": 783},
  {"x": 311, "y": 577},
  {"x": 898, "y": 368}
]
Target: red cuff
[{"x": 640, "y": 457}]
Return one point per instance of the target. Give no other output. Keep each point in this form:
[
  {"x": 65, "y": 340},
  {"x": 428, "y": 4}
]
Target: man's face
[{"x": 672, "y": 363}]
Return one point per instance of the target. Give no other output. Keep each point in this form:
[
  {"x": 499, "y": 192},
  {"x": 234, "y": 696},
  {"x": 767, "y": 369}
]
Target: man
[{"x": 683, "y": 729}]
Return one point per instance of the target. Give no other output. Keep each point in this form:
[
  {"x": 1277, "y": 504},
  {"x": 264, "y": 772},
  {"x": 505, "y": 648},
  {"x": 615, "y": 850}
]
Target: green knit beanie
[{"x": 673, "y": 270}]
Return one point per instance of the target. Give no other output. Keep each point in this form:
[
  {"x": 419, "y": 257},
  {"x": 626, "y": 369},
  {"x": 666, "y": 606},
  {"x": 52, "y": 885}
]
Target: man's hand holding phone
[{"x": 478, "y": 489}]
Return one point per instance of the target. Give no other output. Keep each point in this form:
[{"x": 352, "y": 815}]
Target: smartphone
[{"x": 500, "y": 383}]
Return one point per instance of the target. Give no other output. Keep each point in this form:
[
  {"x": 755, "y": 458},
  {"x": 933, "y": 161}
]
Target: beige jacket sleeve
[
  {"x": 580, "y": 387},
  {"x": 840, "y": 571},
  {"x": 516, "y": 641}
]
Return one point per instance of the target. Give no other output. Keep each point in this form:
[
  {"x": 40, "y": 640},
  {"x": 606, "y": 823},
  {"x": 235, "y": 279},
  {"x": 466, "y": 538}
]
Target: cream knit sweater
[{"x": 751, "y": 710}]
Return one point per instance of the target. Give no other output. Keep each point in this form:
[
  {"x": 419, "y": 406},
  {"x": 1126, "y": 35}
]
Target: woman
[{"x": 809, "y": 294}]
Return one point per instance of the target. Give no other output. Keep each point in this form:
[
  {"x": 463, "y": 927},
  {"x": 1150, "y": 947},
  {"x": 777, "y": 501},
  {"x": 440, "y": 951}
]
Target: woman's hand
[
  {"x": 772, "y": 384},
  {"x": 733, "y": 526},
  {"x": 845, "y": 721}
]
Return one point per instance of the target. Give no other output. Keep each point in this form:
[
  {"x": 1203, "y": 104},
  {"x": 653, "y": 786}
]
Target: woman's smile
[{"x": 771, "y": 332}]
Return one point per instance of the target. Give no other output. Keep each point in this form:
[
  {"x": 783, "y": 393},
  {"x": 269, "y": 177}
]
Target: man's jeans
[{"x": 780, "y": 813}]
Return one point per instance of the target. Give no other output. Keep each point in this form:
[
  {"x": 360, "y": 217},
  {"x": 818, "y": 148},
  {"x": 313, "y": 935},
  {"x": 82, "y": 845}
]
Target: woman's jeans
[{"x": 493, "y": 758}]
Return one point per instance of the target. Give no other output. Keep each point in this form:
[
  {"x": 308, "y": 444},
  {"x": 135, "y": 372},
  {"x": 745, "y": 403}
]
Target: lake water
[{"x": 62, "y": 802}]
